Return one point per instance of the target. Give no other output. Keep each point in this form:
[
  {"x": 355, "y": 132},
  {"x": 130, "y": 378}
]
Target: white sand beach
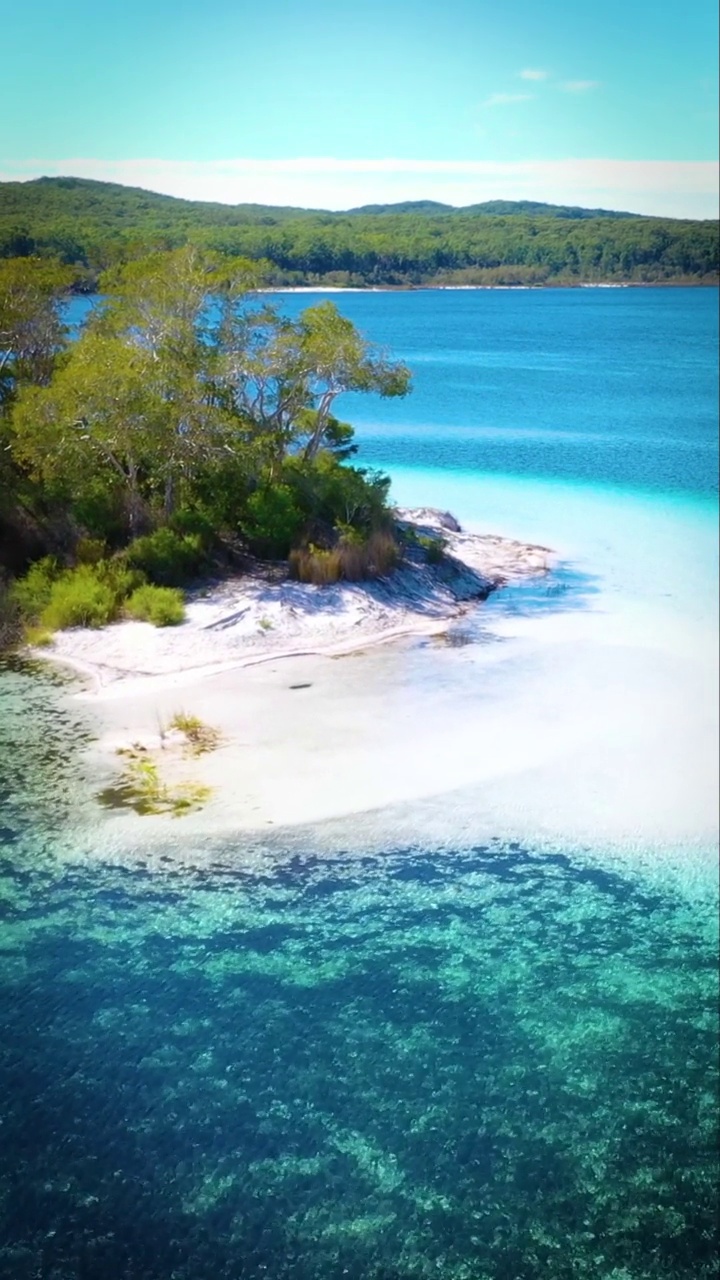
[{"x": 314, "y": 703}]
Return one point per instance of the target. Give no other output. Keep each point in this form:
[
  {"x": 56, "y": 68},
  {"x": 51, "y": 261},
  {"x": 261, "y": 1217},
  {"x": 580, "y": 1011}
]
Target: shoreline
[
  {"x": 503, "y": 288},
  {"x": 285, "y": 758},
  {"x": 237, "y": 623}
]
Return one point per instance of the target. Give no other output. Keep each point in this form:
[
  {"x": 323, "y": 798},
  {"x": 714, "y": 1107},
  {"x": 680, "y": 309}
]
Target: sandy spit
[{"x": 286, "y": 758}]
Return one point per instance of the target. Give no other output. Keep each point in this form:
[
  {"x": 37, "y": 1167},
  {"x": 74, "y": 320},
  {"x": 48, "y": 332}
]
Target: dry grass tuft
[
  {"x": 349, "y": 561},
  {"x": 201, "y": 737}
]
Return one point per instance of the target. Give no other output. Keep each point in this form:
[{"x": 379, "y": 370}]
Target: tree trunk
[{"x": 169, "y": 504}]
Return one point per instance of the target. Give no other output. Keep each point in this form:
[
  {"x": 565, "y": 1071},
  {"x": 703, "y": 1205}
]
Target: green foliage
[
  {"x": 31, "y": 594},
  {"x": 273, "y": 520},
  {"x": 166, "y": 557},
  {"x": 97, "y": 224},
  {"x": 79, "y": 598},
  {"x": 434, "y": 548},
  {"x": 162, "y": 606},
  {"x": 335, "y": 496},
  {"x": 141, "y": 788},
  {"x": 119, "y": 577},
  {"x": 89, "y": 595},
  {"x": 90, "y": 550},
  {"x": 194, "y": 523},
  {"x": 38, "y": 637},
  {"x": 214, "y": 421},
  {"x": 31, "y": 330}
]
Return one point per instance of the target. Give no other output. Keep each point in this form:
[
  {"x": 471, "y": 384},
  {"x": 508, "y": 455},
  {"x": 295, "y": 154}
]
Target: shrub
[
  {"x": 383, "y": 554},
  {"x": 31, "y": 594},
  {"x": 141, "y": 788},
  {"x": 121, "y": 580},
  {"x": 338, "y": 496},
  {"x": 187, "y": 522},
  {"x": 163, "y": 606},
  {"x": 79, "y": 599},
  {"x": 167, "y": 558},
  {"x": 89, "y": 550},
  {"x": 273, "y": 520}
]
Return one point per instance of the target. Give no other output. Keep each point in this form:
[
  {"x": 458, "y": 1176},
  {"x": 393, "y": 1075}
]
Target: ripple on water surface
[{"x": 487, "y": 1063}]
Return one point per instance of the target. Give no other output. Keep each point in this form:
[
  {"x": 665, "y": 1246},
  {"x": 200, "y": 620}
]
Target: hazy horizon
[{"x": 306, "y": 103}]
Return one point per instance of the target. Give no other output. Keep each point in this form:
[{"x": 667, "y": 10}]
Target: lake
[{"x": 474, "y": 1037}]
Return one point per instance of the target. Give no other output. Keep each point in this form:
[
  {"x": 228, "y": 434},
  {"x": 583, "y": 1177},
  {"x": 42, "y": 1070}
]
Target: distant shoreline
[{"x": 485, "y": 288}]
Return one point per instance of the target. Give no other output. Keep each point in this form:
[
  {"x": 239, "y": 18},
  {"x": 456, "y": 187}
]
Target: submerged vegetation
[
  {"x": 90, "y": 225},
  {"x": 187, "y": 429},
  {"x": 142, "y": 788}
]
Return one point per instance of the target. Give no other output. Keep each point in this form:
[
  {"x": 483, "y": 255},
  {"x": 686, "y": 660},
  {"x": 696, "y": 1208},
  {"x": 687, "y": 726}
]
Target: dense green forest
[
  {"x": 92, "y": 225},
  {"x": 188, "y": 428}
]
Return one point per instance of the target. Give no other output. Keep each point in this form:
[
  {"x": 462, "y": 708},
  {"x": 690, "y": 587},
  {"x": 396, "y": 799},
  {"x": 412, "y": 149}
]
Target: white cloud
[
  {"x": 504, "y": 99},
  {"x": 684, "y": 189},
  {"x": 531, "y": 73},
  {"x": 579, "y": 86}
]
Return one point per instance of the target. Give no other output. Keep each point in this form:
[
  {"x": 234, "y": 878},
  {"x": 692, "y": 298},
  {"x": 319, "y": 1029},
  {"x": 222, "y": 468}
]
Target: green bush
[
  {"x": 90, "y": 550},
  {"x": 168, "y": 558},
  {"x": 273, "y": 520},
  {"x": 121, "y": 580},
  {"x": 163, "y": 606},
  {"x": 187, "y": 521},
  {"x": 31, "y": 594},
  {"x": 333, "y": 495},
  {"x": 79, "y": 599}
]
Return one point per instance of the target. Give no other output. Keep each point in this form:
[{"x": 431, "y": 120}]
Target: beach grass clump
[
  {"x": 434, "y": 548},
  {"x": 317, "y": 565},
  {"x": 349, "y": 561},
  {"x": 201, "y": 737},
  {"x": 141, "y": 788},
  {"x": 162, "y": 606}
]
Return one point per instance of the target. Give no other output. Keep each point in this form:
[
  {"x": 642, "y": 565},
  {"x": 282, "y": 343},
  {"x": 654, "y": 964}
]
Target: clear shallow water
[{"x": 483, "y": 1058}]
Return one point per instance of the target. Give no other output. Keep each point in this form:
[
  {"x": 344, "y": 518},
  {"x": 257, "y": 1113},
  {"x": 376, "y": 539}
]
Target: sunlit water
[{"x": 487, "y": 1053}]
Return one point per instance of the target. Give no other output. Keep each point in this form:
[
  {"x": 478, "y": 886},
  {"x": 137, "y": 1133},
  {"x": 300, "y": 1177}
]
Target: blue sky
[{"x": 311, "y": 101}]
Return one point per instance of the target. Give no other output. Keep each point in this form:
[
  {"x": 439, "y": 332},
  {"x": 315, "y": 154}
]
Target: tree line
[{"x": 91, "y": 226}]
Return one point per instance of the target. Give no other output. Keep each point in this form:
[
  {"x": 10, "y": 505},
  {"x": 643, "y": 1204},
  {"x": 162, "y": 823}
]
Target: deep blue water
[
  {"x": 492, "y": 1061},
  {"x": 615, "y": 386}
]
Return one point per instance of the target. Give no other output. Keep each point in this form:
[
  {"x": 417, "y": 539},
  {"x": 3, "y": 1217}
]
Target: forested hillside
[{"x": 91, "y": 225}]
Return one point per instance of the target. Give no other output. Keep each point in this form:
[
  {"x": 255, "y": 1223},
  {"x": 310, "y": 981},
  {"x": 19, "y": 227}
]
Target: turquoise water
[{"x": 491, "y": 1053}]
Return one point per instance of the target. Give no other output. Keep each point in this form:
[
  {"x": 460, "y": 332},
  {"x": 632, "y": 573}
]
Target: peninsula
[{"x": 238, "y": 719}]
